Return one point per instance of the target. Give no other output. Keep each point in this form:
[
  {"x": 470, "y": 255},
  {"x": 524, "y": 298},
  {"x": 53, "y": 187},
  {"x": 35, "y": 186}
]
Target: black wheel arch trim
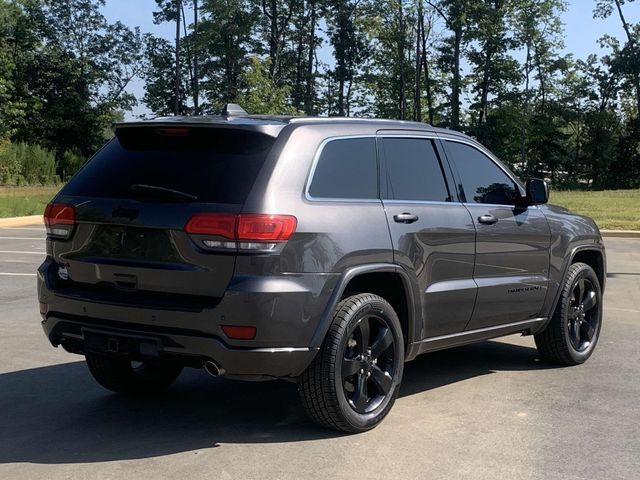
[
  {"x": 414, "y": 323},
  {"x": 597, "y": 248}
]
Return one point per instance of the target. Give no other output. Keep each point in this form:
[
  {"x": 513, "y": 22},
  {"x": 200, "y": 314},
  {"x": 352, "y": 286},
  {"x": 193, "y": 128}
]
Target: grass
[
  {"x": 611, "y": 209},
  {"x": 19, "y": 201}
]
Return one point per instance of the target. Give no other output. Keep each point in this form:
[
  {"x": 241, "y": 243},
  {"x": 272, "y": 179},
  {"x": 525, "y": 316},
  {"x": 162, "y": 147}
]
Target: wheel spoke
[
  {"x": 351, "y": 366},
  {"x": 574, "y": 332},
  {"x": 384, "y": 341},
  {"x": 362, "y": 335},
  {"x": 588, "y": 330},
  {"x": 382, "y": 379},
  {"x": 589, "y": 300},
  {"x": 580, "y": 294},
  {"x": 360, "y": 394}
]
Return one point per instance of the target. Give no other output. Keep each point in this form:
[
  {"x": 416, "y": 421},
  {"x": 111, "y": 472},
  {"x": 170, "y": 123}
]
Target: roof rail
[{"x": 233, "y": 110}]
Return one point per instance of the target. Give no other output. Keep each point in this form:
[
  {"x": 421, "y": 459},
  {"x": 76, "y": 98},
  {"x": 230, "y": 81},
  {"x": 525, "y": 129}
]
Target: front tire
[
  {"x": 354, "y": 380},
  {"x": 572, "y": 334},
  {"x": 122, "y": 376}
]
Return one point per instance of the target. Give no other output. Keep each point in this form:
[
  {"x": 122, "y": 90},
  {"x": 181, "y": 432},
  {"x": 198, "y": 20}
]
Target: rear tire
[
  {"x": 572, "y": 333},
  {"x": 120, "y": 376},
  {"x": 354, "y": 380}
]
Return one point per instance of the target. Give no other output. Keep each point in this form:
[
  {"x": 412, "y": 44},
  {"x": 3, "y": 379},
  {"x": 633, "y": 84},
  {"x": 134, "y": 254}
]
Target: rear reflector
[
  {"x": 59, "y": 219},
  {"x": 239, "y": 332},
  {"x": 44, "y": 308},
  {"x": 245, "y": 228}
]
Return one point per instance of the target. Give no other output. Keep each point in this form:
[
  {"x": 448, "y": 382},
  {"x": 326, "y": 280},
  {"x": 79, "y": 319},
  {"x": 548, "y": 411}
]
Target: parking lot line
[
  {"x": 8, "y": 274},
  {"x": 35, "y": 252},
  {"x": 22, "y": 238},
  {"x": 39, "y": 229}
]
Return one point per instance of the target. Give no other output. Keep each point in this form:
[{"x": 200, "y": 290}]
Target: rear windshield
[{"x": 212, "y": 165}]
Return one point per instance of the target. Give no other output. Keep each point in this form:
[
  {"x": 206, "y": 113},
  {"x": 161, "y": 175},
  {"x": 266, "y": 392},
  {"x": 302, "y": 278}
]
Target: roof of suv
[{"x": 272, "y": 124}]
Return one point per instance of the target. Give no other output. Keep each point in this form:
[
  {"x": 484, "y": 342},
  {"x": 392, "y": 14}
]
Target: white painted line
[
  {"x": 30, "y": 253},
  {"x": 37, "y": 229},
  {"x": 623, "y": 309},
  {"x": 18, "y": 274},
  {"x": 22, "y": 238}
]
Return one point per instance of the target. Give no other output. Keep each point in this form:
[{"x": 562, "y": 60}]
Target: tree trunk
[
  {"x": 455, "y": 88},
  {"x": 298, "y": 92},
  {"x": 401, "y": 94},
  {"x": 417, "y": 101},
  {"x": 187, "y": 47},
  {"x": 196, "y": 51},
  {"x": 427, "y": 77},
  {"x": 308, "y": 104},
  {"x": 523, "y": 130},
  {"x": 176, "y": 108},
  {"x": 630, "y": 40}
]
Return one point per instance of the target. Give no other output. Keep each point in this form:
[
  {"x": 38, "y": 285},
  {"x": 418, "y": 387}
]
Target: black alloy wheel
[
  {"x": 354, "y": 379},
  {"x": 368, "y": 364},
  {"x": 571, "y": 335},
  {"x": 583, "y": 318}
]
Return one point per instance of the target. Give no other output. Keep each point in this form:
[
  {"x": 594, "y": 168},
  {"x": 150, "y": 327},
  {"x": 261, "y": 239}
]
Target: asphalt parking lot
[{"x": 487, "y": 411}]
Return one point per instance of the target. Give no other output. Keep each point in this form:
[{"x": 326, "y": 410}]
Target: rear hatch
[{"x": 119, "y": 234}]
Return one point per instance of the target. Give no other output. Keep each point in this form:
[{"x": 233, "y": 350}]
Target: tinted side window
[
  {"x": 482, "y": 180},
  {"x": 414, "y": 171},
  {"x": 347, "y": 168}
]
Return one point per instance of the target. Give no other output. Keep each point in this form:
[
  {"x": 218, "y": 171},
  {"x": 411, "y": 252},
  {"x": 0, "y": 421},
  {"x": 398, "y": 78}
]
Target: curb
[
  {"x": 620, "y": 233},
  {"x": 21, "y": 221}
]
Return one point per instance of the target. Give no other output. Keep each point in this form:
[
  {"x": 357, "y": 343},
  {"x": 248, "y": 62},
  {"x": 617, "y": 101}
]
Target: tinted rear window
[
  {"x": 347, "y": 168},
  {"x": 214, "y": 165}
]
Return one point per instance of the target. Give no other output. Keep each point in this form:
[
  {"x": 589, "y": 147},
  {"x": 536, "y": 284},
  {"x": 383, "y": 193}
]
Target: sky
[{"x": 582, "y": 31}]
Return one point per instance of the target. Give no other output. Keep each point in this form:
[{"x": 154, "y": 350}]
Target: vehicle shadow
[{"x": 58, "y": 414}]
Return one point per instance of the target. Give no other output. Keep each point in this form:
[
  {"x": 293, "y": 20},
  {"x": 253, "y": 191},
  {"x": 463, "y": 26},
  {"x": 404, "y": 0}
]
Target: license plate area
[{"x": 131, "y": 346}]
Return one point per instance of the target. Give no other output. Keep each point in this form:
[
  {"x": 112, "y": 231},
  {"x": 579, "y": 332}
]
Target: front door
[
  {"x": 512, "y": 243},
  {"x": 432, "y": 233}
]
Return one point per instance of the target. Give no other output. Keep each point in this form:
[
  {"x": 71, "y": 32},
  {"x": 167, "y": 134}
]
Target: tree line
[{"x": 494, "y": 69}]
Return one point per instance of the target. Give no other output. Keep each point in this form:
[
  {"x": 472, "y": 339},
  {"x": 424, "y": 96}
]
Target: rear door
[
  {"x": 512, "y": 244},
  {"x": 432, "y": 233},
  {"x": 133, "y": 200}
]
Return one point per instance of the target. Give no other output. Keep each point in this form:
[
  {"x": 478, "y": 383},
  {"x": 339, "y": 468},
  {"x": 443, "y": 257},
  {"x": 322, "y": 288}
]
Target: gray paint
[{"x": 463, "y": 281}]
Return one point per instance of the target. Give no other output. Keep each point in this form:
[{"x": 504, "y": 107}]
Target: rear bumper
[{"x": 78, "y": 336}]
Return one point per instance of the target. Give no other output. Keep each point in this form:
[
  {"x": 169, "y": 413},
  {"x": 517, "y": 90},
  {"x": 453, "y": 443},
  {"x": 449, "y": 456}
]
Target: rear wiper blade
[{"x": 161, "y": 191}]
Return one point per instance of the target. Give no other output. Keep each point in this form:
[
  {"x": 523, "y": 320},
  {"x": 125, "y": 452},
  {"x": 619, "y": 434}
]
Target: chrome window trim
[
  {"x": 314, "y": 165},
  {"x": 419, "y": 202}
]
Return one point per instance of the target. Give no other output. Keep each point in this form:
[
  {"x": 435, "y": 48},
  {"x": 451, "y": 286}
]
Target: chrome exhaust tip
[{"x": 213, "y": 369}]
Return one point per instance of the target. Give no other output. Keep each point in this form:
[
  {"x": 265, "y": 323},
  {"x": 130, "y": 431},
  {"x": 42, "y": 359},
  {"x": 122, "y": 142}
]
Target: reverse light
[
  {"x": 246, "y": 231},
  {"x": 59, "y": 219}
]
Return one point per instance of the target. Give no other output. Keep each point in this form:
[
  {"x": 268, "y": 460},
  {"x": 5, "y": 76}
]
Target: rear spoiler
[{"x": 271, "y": 128}]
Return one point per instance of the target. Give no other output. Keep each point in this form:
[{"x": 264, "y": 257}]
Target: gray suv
[{"x": 324, "y": 251}]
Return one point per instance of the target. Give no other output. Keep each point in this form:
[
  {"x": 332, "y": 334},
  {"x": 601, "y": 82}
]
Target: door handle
[
  {"x": 405, "y": 217},
  {"x": 487, "y": 219}
]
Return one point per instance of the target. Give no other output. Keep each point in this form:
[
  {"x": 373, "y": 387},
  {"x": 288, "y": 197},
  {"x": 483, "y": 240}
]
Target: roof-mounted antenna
[{"x": 233, "y": 110}]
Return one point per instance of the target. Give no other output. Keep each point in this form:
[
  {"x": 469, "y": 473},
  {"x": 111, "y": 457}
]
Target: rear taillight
[
  {"x": 59, "y": 219},
  {"x": 246, "y": 231}
]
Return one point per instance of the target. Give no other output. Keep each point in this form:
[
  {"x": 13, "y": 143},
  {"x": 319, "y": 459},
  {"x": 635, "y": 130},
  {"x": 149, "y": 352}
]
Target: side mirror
[{"x": 537, "y": 191}]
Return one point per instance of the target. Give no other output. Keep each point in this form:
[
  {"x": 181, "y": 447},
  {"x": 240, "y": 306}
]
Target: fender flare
[
  {"x": 414, "y": 322},
  {"x": 580, "y": 248}
]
